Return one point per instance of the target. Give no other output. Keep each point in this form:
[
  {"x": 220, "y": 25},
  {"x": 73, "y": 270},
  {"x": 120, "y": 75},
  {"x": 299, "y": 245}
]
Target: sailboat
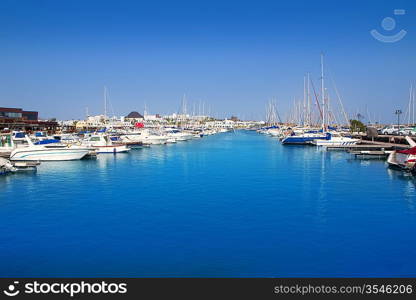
[
  {"x": 307, "y": 136},
  {"x": 335, "y": 139}
]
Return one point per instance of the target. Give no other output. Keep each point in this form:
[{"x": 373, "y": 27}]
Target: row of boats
[
  {"x": 311, "y": 136},
  {"x": 36, "y": 147},
  {"x": 404, "y": 160}
]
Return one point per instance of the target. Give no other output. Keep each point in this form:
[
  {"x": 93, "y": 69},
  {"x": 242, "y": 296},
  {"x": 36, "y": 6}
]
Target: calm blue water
[{"x": 229, "y": 205}]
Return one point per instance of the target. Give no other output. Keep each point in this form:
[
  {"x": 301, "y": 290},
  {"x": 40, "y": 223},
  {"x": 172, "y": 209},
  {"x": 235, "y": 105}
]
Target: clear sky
[{"x": 56, "y": 56}]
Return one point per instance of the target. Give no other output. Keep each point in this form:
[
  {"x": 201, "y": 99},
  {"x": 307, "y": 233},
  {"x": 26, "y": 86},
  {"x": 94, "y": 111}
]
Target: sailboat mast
[
  {"x": 105, "y": 103},
  {"x": 323, "y": 91},
  {"x": 309, "y": 104},
  {"x": 304, "y": 101},
  {"x": 413, "y": 101},
  {"x": 409, "y": 107}
]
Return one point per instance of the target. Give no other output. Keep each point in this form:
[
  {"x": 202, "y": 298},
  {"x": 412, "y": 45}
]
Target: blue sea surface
[{"x": 230, "y": 205}]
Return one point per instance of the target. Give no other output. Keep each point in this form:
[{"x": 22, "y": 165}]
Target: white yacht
[
  {"x": 48, "y": 152},
  {"x": 179, "y": 135},
  {"x": 103, "y": 144},
  {"x": 145, "y": 136}
]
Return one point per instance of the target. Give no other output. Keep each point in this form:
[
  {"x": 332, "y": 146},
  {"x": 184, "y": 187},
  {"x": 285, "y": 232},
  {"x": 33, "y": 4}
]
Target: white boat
[
  {"x": 145, "y": 136},
  {"x": 6, "y": 166},
  {"x": 6, "y": 144},
  {"x": 179, "y": 135},
  {"x": 404, "y": 159},
  {"x": 103, "y": 144},
  {"x": 48, "y": 152},
  {"x": 335, "y": 139}
]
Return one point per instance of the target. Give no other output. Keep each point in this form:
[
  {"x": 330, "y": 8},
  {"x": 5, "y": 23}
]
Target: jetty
[
  {"x": 376, "y": 148},
  {"x": 368, "y": 145}
]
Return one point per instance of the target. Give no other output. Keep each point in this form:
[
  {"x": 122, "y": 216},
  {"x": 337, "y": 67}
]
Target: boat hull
[
  {"x": 111, "y": 149},
  {"x": 402, "y": 161},
  {"x": 342, "y": 142},
  {"x": 300, "y": 140},
  {"x": 48, "y": 154}
]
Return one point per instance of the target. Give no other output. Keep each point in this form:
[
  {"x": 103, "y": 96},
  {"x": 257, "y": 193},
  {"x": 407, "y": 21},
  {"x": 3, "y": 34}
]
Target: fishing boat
[
  {"x": 404, "y": 159},
  {"x": 48, "y": 152}
]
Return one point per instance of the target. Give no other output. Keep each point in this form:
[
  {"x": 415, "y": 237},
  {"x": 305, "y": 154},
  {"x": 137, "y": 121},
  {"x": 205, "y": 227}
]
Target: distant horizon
[{"x": 233, "y": 56}]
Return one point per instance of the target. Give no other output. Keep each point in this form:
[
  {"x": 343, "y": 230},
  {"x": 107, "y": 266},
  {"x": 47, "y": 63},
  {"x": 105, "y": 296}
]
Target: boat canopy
[
  {"x": 19, "y": 135},
  {"x": 45, "y": 142}
]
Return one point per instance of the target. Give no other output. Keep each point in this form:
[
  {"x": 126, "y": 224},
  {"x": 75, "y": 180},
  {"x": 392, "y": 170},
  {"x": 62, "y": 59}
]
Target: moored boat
[
  {"x": 103, "y": 144},
  {"x": 305, "y": 138},
  {"x": 404, "y": 159},
  {"x": 48, "y": 153},
  {"x": 335, "y": 139}
]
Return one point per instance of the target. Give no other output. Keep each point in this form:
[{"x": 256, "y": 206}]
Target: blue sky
[{"x": 56, "y": 56}]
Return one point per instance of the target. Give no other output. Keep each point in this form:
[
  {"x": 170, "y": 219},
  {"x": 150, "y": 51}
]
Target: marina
[
  {"x": 146, "y": 144},
  {"x": 269, "y": 208},
  {"x": 230, "y": 197}
]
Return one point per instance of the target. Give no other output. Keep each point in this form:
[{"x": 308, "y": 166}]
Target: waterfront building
[{"x": 19, "y": 119}]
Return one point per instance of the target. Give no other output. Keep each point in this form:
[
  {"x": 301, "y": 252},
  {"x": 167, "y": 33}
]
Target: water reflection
[
  {"x": 409, "y": 188},
  {"x": 231, "y": 191}
]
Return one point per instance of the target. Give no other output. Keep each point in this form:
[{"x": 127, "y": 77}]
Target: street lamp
[{"x": 398, "y": 113}]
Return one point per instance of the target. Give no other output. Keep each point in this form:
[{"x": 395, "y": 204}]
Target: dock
[
  {"x": 377, "y": 154},
  {"x": 370, "y": 145}
]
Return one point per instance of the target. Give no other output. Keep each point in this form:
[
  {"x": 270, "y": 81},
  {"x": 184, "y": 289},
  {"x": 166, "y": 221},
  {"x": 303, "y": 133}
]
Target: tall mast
[
  {"x": 409, "y": 108},
  {"x": 413, "y": 101},
  {"x": 105, "y": 103},
  {"x": 309, "y": 103},
  {"x": 304, "y": 101},
  {"x": 323, "y": 91}
]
